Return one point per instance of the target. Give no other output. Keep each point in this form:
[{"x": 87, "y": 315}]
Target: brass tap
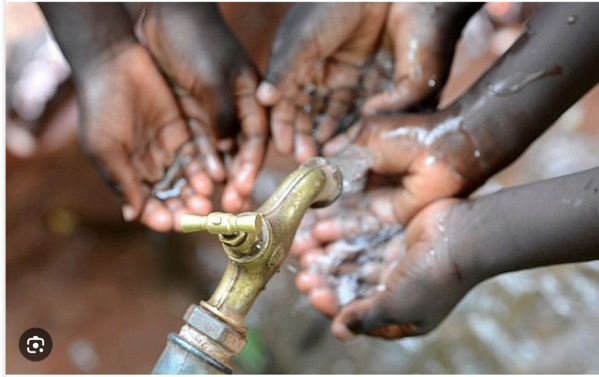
[{"x": 257, "y": 243}]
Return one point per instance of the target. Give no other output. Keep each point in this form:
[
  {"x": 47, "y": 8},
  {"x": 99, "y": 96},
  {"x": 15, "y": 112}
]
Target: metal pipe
[{"x": 256, "y": 245}]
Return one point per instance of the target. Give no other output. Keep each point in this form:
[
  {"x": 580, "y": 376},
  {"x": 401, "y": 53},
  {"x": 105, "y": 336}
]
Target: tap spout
[
  {"x": 316, "y": 183},
  {"x": 256, "y": 245}
]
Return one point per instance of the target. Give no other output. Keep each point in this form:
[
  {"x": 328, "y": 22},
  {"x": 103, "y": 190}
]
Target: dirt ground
[{"x": 109, "y": 292}]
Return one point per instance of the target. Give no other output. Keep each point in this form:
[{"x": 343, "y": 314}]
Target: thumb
[
  {"x": 370, "y": 316},
  {"x": 289, "y": 44}
]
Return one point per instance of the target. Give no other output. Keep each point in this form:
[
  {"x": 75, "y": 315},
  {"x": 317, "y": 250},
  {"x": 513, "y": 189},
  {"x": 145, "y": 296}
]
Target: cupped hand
[
  {"x": 133, "y": 130},
  {"x": 384, "y": 283},
  {"x": 215, "y": 81},
  {"x": 323, "y": 66},
  {"x": 422, "y": 157}
]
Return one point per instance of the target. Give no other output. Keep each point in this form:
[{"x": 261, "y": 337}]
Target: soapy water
[
  {"x": 171, "y": 185},
  {"x": 353, "y": 162},
  {"x": 353, "y": 265}
]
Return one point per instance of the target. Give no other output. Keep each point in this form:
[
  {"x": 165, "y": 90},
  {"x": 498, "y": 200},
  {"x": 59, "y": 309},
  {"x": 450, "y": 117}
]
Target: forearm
[
  {"x": 548, "y": 69},
  {"x": 87, "y": 31},
  {"x": 540, "y": 224}
]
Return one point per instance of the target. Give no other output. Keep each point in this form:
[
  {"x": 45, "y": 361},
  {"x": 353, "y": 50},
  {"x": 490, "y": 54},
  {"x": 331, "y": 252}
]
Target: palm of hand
[
  {"x": 393, "y": 285},
  {"x": 330, "y": 46},
  {"x": 215, "y": 85},
  {"x": 133, "y": 131}
]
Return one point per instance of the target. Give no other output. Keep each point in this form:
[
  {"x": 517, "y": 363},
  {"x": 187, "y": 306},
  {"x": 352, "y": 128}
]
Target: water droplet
[
  {"x": 477, "y": 153},
  {"x": 572, "y": 19},
  {"x": 429, "y": 160},
  {"x": 432, "y": 83},
  {"x": 310, "y": 89}
]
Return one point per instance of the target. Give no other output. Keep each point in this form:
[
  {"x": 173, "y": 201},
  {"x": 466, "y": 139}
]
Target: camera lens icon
[{"x": 35, "y": 344}]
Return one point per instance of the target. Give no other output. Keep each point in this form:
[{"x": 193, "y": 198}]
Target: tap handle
[{"x": 223, "y": 223}]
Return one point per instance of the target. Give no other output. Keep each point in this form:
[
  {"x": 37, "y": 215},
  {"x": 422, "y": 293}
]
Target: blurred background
[{"x": 109, "y": 292}]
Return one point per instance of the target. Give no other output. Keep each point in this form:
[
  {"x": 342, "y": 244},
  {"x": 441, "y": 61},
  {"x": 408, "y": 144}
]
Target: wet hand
[
  {"x": 324, "y": 51},
  {"x": 423, "y": 157},
  {"x": 423, "y": 41},
  {"x": 318, "y": 52},
  {"x": 383, "y": 283},
  {"x": 133, "y": 130},
  {"x": 215, "y": 82}
]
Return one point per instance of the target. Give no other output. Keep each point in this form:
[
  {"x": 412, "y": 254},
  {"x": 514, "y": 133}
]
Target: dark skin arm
[
  {"x": 215, "y": 81},
  {"x": 453, "y": 151},
  {"x": 343, "y": 37},
  {"x": 548, "y": 69},
  {"x": 541, "y": 224},
  {"x": 453, "y": 245},
  {"x": 130, "y": 124}
]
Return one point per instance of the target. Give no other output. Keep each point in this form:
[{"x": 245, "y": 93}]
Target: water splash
[
  {"x": 506, "y": 88},
  {"x": 172, "y": 183},
  {"x": 353, "y": 162}
]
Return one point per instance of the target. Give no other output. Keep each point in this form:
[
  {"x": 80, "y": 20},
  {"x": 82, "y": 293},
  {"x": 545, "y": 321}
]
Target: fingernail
[
  {"x": 266, "y": 93},
  {"x": 128, "y": 212},
  {"x": 342, "y": 332}
]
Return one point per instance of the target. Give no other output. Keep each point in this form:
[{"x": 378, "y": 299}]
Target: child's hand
[
  {"x": 215, "y": 82},
  {"x": 423, "y": 157},
  {"x": 423, "y": 37},
  {"x": 133, "y": 130},
  {"x": 324, "y": 50},
  {"x": 406, "y": 290}
]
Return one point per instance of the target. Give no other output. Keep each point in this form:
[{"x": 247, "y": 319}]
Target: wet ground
[{"x": 109, "y": 292}]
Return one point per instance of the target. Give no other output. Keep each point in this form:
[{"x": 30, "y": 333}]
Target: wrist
[
  {"x": 451, "y": 142},
  {"x": 466, "y": 243}
]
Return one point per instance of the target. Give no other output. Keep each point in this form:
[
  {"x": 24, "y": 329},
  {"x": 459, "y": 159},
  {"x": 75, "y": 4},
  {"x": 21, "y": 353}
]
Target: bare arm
[
  {"x": 541, "y": 224},
  {"x": 550, "y": 67}
]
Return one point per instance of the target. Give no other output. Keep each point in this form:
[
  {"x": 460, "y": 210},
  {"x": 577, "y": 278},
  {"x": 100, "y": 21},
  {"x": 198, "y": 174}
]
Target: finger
[
  {"x": 176, "y": 208},
  {"x": 195, "y": 204},
  {"x": 303, "y": 240},
  {"x": 247, "y": 205},
  {"x": 314, "y": 259},
  {"x": 206, "y": 145},
  {"x": 267, "y": 94},
  {"x": 339, "y": 104},
  {"x": 325, "y": 301},
  {"x": 419, "y": 189},
  {"x": 405, "y": 95},
  {"x": 282, "y": 118},
  {"x": 254, "y": 134},
  {"x": 368, "y": 316},
  {"x": 343, "y": 140},
  {"x": 119, "y": 173},
  {"x": 157, "y": 216},
  {"x": 198, "y": 179},
  {"x": 305, "y": 147},
  {"x": 307, "y": 281},
  {"x": 231, "y": 200},
  {"x": 348, "y": 226}
]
